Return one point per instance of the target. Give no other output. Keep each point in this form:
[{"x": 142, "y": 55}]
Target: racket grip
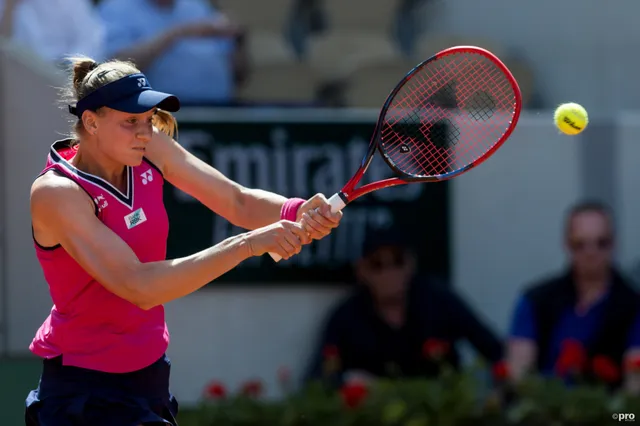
[
  {"x": 276, "y": 257},
  {"x": 336, "y": 205}
]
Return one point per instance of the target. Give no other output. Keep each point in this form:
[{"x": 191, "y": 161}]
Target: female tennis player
[{"x": 100, "y": 231}]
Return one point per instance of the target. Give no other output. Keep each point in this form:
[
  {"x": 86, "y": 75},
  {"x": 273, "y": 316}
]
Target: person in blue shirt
[
  {"x": 590, "y": 306},
  {"x": 186, "y": 47}
]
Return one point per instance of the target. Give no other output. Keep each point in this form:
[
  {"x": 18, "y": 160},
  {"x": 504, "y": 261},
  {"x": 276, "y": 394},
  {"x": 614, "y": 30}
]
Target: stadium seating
[
  {"x": 338, "y": 53},
  {"x": 258, "y": 15},
  {"x": 268, "y": 47},
  {"x": 281, "y": 83},
  {"x": 355, "y": 42},
  {"x": 428, "y": 45},
  {"x": 360, "y": 15},
  {"x": 369, "y": 85}
]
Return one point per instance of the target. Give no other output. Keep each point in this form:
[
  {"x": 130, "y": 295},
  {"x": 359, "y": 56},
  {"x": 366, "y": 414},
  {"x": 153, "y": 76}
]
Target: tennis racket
[{"x": 447, "y": 115}]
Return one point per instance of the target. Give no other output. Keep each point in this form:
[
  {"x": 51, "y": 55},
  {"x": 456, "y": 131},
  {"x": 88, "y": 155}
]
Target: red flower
[
  {"x": 605, "y": 369},
  {"x": 330, "y": 352},
  {"x": 215, "y": 390},
  {"x": 500, "y": 371},
  {"x": 572, "y": 359},
  {"x": 353, "y": 394},
  {"x": 633, "y": 364},
  {"x": 435, "y": 348},
  {"x": 252, "y": 388}
]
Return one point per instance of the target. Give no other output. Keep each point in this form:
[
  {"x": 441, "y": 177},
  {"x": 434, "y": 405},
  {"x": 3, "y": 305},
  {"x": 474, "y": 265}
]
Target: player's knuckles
[
  {"x": 316, "y": 218},
  {"x": 295, "y": 240},
  {"x": 288, "y": 248},
  {"x": 324, "y": 222},
  {"x": 319, "y": 198}
]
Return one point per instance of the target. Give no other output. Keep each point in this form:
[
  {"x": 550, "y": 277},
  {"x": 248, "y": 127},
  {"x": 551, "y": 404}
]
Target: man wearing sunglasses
[
  {"x": 589, "y": 312},
  {"x": 396, "y": 323}
]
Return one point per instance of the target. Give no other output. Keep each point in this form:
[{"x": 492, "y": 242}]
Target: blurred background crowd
[
  {"x": 528, "y": 264},
  {"x": 243, "y": 52}
]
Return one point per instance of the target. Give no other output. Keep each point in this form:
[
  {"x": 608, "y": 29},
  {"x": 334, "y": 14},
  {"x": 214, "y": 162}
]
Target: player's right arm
[{"x": 62, "y": 213}]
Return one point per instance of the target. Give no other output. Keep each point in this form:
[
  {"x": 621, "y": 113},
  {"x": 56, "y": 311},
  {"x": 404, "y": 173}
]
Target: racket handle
[{"x": 336, "y": 205}]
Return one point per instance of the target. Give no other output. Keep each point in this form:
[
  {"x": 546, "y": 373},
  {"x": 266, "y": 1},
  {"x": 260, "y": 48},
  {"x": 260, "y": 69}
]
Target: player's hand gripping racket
[{"x": 448, "y": 115}]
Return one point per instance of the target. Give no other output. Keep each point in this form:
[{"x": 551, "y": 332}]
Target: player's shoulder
[{"x": 52, "y": 188}]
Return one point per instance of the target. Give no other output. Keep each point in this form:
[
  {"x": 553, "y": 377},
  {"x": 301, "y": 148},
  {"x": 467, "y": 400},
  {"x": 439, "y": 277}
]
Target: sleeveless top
[{"x": 89, "y": 326}]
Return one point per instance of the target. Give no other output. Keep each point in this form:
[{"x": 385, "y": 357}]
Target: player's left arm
[
  {"x": 244, "y": 207},
  {"x": 632, "y": 359}
]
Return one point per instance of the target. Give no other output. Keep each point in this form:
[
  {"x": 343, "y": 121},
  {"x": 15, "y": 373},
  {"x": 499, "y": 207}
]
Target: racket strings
[
  {"x": 445, "y": 157},
  {"x": 436, "y": 155},
  {"x": 447, "y": 115}
]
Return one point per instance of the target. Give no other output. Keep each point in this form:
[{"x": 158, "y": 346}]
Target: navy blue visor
[{"x": 131, "y": 94}]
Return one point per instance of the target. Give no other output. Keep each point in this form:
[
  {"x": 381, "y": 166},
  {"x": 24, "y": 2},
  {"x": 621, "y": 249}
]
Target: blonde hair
[{"x": 88, "y": 75}]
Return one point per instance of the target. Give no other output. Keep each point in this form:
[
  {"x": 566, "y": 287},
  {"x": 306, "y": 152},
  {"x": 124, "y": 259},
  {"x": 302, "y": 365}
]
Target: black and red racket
[{"x": 447, "y": 115}]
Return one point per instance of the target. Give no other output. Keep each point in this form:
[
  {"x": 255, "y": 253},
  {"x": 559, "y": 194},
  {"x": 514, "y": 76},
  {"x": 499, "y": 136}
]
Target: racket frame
[{"x": 349, "y": 192}]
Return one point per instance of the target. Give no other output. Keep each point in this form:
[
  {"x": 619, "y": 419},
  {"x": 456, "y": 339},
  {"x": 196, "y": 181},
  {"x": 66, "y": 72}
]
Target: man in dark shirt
[{"x": 395, "y": 323}]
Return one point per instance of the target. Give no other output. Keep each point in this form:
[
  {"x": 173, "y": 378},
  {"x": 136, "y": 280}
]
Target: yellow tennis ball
[{"x": 571, "y": 118}]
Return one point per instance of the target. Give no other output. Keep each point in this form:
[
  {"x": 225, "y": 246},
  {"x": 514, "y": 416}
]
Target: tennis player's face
[
  {"x": 123, "y": 137},
  {"x": 387, "y": 272},
  {"x": 590, "y": 242}
]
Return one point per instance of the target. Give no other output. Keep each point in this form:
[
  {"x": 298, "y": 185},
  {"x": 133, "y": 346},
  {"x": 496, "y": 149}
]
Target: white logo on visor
[{"x": 142, "y": 82}]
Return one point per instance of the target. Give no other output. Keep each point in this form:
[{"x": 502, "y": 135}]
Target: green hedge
[
  {"x": 455, "y": 399},
  {"x": 17, "y": 377}
]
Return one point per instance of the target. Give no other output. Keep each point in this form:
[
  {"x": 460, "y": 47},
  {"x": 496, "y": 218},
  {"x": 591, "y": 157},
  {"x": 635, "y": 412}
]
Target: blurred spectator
[
  {"x": 186, "y": 47},
  {"x": 585, "y": 317},
  {"x": 53, "y": 29},
  {"x": 408, "y": 24},
  {"x": 396, "y": 323},
  {"x": 308, "y": 18}
]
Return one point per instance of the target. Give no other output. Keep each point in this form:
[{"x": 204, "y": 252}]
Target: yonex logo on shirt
[
  {"x": 101, "y": 202},
  {"x": 135, "y": 218},
  {"x": 147, "y": 177}
]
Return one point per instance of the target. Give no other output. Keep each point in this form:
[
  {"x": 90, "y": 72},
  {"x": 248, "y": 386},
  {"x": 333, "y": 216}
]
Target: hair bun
[{"x": 81, "y": 68}]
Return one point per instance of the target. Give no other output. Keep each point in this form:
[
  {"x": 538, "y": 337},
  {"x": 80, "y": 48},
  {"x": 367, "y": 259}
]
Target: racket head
[{"x": 449, "y": 114}]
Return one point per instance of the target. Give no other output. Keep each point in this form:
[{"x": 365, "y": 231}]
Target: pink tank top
[{"x": 90, "y": 326}]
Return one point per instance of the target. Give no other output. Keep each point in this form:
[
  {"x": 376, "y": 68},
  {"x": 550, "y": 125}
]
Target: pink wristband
[{"x": 290, "y": 208}]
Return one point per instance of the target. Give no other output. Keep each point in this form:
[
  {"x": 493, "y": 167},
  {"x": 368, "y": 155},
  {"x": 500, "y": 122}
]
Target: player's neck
[{"x": 99, "y": 165}]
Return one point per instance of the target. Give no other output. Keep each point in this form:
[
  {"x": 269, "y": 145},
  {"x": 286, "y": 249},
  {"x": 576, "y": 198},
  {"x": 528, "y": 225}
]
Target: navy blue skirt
[{"x": 72, "y": 396}]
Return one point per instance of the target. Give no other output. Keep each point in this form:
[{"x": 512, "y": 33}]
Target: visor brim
[{"x": 145, "y": 101}]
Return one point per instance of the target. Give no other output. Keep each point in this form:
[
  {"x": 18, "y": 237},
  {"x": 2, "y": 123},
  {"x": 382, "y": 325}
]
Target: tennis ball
[{"x": 571, "y": 118}]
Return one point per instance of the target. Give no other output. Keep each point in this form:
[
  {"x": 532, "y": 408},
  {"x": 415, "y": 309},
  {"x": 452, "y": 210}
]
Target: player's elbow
[
  {"x": 132, "y": 287},
  {"x": 140, "y": 294}
]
